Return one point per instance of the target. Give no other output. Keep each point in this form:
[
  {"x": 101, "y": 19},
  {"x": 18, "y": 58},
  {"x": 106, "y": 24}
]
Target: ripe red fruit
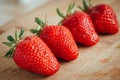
[
  {"x": 60, "y": 41},
  {"x": 34, "y": 55},
  {"x": 103, "y": 17},
  {"x": 80, "y": 25}
]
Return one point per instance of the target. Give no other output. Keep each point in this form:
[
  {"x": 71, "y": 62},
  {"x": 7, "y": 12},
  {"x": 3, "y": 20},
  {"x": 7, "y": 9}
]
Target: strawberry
[
  {"x": 59, "y": 39},
  {"x": 80, "y": 25},
  {"x": 103, "y": 17},
  {"x": 32, "y": 54}
]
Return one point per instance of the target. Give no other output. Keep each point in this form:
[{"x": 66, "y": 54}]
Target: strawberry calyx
[
  {"x": 13, "y": 42},
  {"x": 69, "y": 11},
  {"x": 86, "y": 5},
  {"x": 40, "y": 27}
]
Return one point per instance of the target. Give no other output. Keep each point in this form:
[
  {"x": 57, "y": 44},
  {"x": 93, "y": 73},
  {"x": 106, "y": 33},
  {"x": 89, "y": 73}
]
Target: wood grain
[{"x": 99, "y": 62}]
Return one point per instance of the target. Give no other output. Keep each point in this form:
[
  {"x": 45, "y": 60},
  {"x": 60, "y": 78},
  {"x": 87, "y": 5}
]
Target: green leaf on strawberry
[{"x": 13, "y": 42}]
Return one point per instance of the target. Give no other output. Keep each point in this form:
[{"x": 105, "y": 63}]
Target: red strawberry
[
  {"x": 103, "y": 17},
  {"x": 59, "y": 39},
  {"x": 80, "y": 25},
  {"x": 33, "y": 54}
]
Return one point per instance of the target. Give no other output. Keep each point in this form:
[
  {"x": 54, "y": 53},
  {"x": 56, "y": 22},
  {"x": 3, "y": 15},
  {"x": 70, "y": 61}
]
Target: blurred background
[{"x": 12, "y": 9}]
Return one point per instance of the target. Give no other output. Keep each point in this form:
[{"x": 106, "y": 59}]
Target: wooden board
[{"x": 99, "y": 62}]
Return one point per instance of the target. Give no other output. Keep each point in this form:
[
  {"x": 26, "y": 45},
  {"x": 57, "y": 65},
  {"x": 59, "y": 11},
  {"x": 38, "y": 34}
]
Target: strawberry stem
[
  {"x": 69, "y": 11},
  {"x": 13, "y": 42},
  {"x": 11, "y": 39},
  {"x": 70, "y": 8},
  {"x": 40, "y": 27},
  {"x": 39, "y": 22},
  {"x": 86, "y": 5},
  {"x": 59, "y": 13},
  {"x": 10, "y": 44},
  {"x": 16, "y": 37},
  {"x": 10, "y": 53},
  {"x": 21, "y": 33}
]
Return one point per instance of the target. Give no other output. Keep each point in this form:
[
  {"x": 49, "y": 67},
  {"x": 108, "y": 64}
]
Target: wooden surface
[{"x": 99, "y": 62}]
